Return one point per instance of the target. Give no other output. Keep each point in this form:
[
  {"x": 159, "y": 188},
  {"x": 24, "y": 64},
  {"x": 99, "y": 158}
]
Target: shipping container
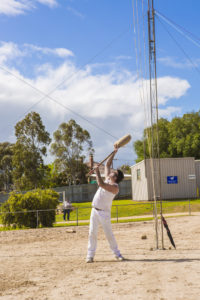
[{"x": 174, "y": 178}]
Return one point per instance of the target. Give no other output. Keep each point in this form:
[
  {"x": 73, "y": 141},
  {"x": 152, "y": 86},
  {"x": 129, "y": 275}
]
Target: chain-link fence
[
  {"x": 80, "y": 215},
  {"x": 83, "y": 192}
]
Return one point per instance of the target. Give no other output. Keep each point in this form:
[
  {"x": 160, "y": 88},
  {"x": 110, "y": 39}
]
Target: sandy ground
[{"x": 49, "y": 264}]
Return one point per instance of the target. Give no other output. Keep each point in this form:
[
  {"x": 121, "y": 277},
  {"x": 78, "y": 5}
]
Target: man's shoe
[
  {"x": 89, "y": 260},
  {"x": 120, "y": 258}
]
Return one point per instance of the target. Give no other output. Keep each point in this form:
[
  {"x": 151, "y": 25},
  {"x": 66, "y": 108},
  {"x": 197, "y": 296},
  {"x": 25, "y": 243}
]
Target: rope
[
  {"x": 180, "y": 47},
  {"x": 180, "y": 29},
  {"x": 150, "y": 106},
  {"x": 55, "y": 101},
  {"x": 140, "y": 76},
  {"x": 140, "y": 70}
]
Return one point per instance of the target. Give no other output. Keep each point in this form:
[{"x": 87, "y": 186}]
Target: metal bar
[
  {"x": 134, "y": 204},
  {"x": 152, "y": 79},
  {"x": 101, "y": 162},
  {"x": 189, "y": 208},
  {"x": 117, "y": 212},
  {"x": 37, "y": 219},
  {"x": 77, "y": 216}
]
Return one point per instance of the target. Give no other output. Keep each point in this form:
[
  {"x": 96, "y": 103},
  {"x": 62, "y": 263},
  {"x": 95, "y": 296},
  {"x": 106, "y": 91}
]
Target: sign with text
[
  {"x": 192, "y": 176},
  {"x": 172, "y": 179}
]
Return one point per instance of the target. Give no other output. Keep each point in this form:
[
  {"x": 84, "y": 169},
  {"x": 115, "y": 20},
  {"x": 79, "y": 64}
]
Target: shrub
[{"x": 17, "y": 206}]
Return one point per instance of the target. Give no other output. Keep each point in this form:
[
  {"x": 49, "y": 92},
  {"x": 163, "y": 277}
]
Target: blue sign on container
[{"x": 172, "y": 179}]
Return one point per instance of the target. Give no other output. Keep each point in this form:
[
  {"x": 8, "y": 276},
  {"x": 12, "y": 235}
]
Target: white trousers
[{"x": 101, "y": 217}]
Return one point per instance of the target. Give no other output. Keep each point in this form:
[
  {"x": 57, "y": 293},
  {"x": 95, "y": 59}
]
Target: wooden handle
[{"x": 101, "y": 162}]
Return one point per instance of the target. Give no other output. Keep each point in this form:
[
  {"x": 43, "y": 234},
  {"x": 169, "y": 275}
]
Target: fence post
[
  {"x": 117, "y": 212},
  {"x": 77, "y": 216},
  {"x": 72, "y": 194},
  {"x": 189, "y": 208},
  {"x": 37, "y": 219}
]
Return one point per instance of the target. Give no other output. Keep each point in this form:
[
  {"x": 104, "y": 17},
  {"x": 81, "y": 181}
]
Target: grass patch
[
  {"x": 129, "y": 208},
  {"x": 123, "y": 209}
]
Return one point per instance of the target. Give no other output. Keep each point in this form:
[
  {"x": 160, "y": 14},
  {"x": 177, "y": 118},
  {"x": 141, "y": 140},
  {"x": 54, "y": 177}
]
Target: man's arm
[
  {"x": 106, "y": 186},
  {"x": 109, "y": 162}
]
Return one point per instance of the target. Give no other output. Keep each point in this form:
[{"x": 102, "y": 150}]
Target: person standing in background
[{"x": 67, "y": 208}]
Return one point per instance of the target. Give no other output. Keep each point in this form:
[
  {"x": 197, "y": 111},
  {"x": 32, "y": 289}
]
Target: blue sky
[{"x": 89, "y": 46}]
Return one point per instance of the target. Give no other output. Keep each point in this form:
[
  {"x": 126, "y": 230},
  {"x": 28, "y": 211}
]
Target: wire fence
[
  {"x": 82, "y": 193},
  {"x": 80, "y": 215}
]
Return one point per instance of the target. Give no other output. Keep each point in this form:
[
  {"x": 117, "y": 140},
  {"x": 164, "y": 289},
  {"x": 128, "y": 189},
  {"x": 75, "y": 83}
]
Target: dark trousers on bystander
[{"x": 66, "y": 211}]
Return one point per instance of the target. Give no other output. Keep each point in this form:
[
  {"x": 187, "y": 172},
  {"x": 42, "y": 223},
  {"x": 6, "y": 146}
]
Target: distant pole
[
  {"x": 189, "y": 208},
  {"x": 76, "y": 216},
  {"x": 37, "y": 219},
  {"x": 112, "y": 165}
]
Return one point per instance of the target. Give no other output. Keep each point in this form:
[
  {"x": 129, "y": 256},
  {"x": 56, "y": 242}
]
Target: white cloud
[
  {"x": 177, "y": 64},
  {"x": 18, "y": 7},
  {"x": 61, "y": 52},
  {"x": 14, "y": 7},
  {"x": 167, "y": 112},
  {"x": 123, "y": 57},
  {"x": 75, "y": 12},
  {"x": 50, "y": 3},
  {"x": 111, "y": 100},
  {"x": 9, "y": 51},
  {"x": 171, "y": 88}
]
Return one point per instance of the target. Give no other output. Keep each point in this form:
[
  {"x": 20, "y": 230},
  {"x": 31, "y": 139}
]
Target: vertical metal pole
[
  {"x": 117, "y": 212},
  {"x": 63, "y": 196},
  {"x": 72, "y": 193},
  {"x": 162, "y": 234},
  {"x": 156, "y": 118},
  {"x": 77, "y": 216},
  {"x": 153, "y": 109},
  {"x": 189, "y": 208},
  {"x": 37, "y": 219}
]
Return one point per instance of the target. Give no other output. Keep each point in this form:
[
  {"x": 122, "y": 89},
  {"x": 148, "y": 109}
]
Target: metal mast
[{"x": 155, "y": 155}]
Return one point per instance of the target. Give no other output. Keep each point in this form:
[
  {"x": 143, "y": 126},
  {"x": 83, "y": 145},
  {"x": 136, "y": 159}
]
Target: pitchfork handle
[{"x": 91, "y": 171}]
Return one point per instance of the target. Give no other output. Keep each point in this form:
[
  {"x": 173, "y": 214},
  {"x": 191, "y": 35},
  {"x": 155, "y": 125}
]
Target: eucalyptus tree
[
  {"x": 71, "y": 144},
  {"x": 29, "y": 150},
  {"x": 6, "y": 153},
  {"x": 179, "y": 137}
]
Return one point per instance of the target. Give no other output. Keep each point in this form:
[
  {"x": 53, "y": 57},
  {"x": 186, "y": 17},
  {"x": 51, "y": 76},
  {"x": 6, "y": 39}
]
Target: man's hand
[
  {"x": 115, "y": 149},
  {"x": 109, "y": 162}
]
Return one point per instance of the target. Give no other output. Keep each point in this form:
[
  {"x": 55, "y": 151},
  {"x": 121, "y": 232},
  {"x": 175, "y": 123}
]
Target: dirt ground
[{"x": 49, "y": 264}]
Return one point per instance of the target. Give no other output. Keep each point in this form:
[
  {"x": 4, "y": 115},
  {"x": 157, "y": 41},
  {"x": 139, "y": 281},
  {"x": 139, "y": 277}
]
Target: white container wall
[
  {"x": 177, "y": 179},
  {"x": 139, "y": 182},
  {"x": 197, "y": 169}
]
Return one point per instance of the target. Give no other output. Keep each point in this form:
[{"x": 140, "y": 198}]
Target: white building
[{"x": 179, "y": 178}]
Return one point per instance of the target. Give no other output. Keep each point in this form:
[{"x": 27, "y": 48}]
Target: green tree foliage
[
  {"x": 70, "y": 143},
  {"x": 184, "y": 136},
  {"x": 6, "y": 153},
  {"x": 31, "y": 201},
  {"x": 126, "y": 169},
  {"x": 178, "y": 138},
  {"x": 52, "y": 177},
  {"x": 30, "y": 147}
]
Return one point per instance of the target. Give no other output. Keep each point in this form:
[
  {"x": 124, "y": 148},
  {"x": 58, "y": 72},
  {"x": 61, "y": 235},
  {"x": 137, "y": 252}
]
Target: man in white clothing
[{"x": 101, "y": 209}]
